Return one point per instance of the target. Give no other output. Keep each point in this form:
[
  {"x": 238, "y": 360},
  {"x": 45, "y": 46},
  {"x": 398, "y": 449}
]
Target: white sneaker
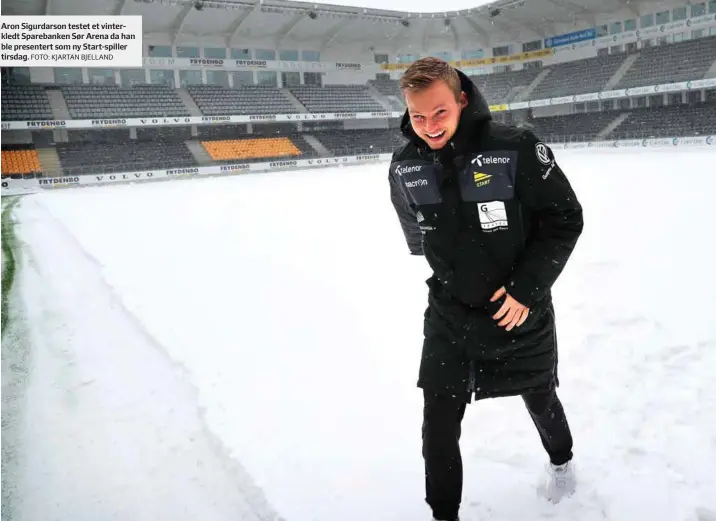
[{"x": 561, "y": 482}]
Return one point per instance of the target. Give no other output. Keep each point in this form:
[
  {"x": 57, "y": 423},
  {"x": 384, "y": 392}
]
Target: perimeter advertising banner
[{"x": 570, "y": 38}]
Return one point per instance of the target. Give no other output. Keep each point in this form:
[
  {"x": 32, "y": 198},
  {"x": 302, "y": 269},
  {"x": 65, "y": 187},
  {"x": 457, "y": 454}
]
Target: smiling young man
[{"x": 496, "y": 219}]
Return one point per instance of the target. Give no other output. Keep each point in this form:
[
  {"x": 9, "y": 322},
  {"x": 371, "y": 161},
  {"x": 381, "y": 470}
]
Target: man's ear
[{"x": 463, "y": 99}]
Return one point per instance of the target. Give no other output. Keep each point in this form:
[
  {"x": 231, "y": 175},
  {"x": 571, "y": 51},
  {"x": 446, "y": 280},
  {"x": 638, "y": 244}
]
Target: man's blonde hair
[{"x": 424, "y": 72}]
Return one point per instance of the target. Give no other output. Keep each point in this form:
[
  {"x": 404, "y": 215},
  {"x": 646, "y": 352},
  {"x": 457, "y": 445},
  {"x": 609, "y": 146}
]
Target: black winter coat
[{"x": 492, "y": 208}]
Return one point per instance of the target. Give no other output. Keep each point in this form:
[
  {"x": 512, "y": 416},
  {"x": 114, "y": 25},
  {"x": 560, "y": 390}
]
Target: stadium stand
[
  {"x": 115, "y": 150},
  {"x": 363, "y": 141},
  {"x": 681, "y": 61},
  {"x": 221, "y": 131},
  {"x": 214, "y": 100},
  {"x": 391, "y": 90},
  {"x": 102, "y": 135},
  {"x": 674, "y": 120},
  {"x": 20, "y": 160},
  {"x": 164, "y": 133},
  {"x": 336, "y": 98},
  {"x": 572, "y": 127},
  {"x": 502, "y": 87},
  {"x": 240, "y": 149},
  {"x": 42, "y": 138},
  {"x": 87, "y": 157},
  {"x": 24, "y": 103},
  {"x": 111, "y": 101},
  {"x": 578, "y": 77}
]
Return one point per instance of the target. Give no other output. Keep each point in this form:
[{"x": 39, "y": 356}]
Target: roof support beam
[
  {"x": 236, "y": 25},
  {"x": 625, "y": 4},
  {"x": 397, "y": 39},
  {"x": 426, "y": 37},
  {"x": 535, "y": 27},
  {"x": 287, "y": 28},
  {"x": 455, "y": 36},
  {"x": 483, "y": 37},
  {"x": 178, "y": 23},
  {"x": 333, "y": 32},
  {"x": 575, "y": 10},
  {"x": 119, "y": 10},
  {"x": 506, "y": 27}
]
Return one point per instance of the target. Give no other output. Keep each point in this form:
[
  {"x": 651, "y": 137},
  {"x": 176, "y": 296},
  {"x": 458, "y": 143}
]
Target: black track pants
[{"x": 442, "y": 419}]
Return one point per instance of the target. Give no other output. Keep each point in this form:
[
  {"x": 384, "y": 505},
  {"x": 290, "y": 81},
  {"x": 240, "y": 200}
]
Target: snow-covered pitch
[{"x": 247, "y": 347}]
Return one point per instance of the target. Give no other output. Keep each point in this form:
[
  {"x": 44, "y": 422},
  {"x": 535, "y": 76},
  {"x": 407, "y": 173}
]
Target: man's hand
[{"x": 514, "y": 313}]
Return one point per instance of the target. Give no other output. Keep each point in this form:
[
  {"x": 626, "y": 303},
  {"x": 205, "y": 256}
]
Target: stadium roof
[{"x": 291, "y": 24}]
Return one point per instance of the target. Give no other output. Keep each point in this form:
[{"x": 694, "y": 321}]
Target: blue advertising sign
[{"x": 569, "y": 38}]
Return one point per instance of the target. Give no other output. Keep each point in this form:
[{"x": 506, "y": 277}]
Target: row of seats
[
  {"x": 85, "y": 157},
  {"x": 681, "y": 61},
  {"x": 362, "y": 141},
  {"x": 24, "y": 103},
  {"x": 578, "y": 77},
  {"x": 336, "y": 98},
  {"x": 688, "y": 60},
  {"x": 240, "y": 149},
  {"x": 96, "y": 157},
  {"x": 580, "y": 127},
  {"x": 679, "y": 120},
  {"x": 111, "y": 101},
  {"x": 214, "y": 100},
  {"x": 20, "y": 162}
]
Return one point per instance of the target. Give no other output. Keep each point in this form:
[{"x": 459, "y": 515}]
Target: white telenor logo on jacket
[
  {"x": 481, "y": 161},
  {"x": 407, "y": 169}
]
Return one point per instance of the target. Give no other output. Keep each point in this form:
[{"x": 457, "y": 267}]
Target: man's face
[{"x": 435, "y": 113}]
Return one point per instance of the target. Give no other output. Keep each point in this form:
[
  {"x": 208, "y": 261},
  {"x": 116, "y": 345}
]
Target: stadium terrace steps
[
  {"x": 621, "y": 71},
  {"x": 49, "y": 161},
  {"x": 711, "y": 72},
  {"x": 199, "y": 152},
  {"x": 514, "y": 92},
  {"x": 58, "y": 104},
  {"x": 612, "y": 126},
  {"x": 379, "y": 98},
  {"x": 293, "y": 100},
  {"x": 317, "y": 145},
  {"x": 397, "y": 103},
  {"x": 191, "y": 106},
  {"x": 525, "y": 93}
]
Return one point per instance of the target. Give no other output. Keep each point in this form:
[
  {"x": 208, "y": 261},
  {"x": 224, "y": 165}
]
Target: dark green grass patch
[{"x": 8, "y": 255}]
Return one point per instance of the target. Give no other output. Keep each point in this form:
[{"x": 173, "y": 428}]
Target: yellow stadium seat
[
  {"x": 250, "y": 148},
  {"x": 20, "y": 162}
]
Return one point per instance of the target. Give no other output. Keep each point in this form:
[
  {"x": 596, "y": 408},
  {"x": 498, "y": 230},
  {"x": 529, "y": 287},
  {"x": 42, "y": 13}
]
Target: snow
[{"x": 246, "y": 347}]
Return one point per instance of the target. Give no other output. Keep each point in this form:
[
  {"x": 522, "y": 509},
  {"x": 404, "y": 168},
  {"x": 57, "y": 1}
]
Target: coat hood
[{"x": 476, "y": 111}]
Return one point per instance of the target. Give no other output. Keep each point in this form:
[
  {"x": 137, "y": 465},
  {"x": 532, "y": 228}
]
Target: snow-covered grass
[{"x": 293, "y": 313}]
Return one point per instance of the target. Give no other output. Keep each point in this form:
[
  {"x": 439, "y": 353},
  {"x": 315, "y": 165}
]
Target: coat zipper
[{"x": 471, "y": 379}]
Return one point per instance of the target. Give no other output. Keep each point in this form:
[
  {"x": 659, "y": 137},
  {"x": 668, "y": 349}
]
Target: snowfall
[{"x": 247, "y": 347}]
